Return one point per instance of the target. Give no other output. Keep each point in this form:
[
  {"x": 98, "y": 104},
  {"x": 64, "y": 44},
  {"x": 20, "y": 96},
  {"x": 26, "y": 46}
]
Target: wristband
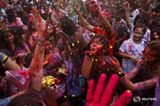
[
  {"x": 120, "y": 74},
  {"x": 3, "y": 57}
]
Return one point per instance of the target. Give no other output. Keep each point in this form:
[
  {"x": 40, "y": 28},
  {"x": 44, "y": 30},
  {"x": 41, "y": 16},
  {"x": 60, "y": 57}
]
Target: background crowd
[{"x": 50, "y": 50}]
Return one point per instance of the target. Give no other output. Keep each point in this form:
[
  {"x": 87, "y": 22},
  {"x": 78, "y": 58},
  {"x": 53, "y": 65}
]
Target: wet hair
[
  {"x": 17, "y": 30},
  {"x": 72, "y": 41},
  {"x": 133, "y": 4},
  {"x": 18, "y": 41},
  {"x": 27, "y": 7},
  {"x": 140, "y": 26},
  {"x": 3, "y": 41},
  {"x": 11, "y": 16},
  {"x": 155, "y": 48},
  {"x": 104, "y": 41},
  {"x": 68, "y": 26},
  {"x": 137, "y": 18}
]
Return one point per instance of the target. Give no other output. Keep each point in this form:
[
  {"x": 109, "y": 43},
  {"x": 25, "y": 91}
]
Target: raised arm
[
  {"x": 105, "y": 22},
  {"x": 83, "y": 21},
  {"x": 145, "y": 84},
  {"x": 132, "y": 73},
  {"x": 36, "y": 67},
  {"x": 115, "y": 65},
  {"x": 127, "y": 12}
]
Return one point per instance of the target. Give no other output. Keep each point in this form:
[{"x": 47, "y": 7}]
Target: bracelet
[
  {"x": 3, "y": 57},
  {"x": 120, "y": 74}
]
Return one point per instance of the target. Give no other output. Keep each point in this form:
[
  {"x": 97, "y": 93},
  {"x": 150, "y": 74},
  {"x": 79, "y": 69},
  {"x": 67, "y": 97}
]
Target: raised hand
[
  {"x": 36, "y": 66},
  {"x": 41, "y": 26},
  {"x": 126, "y": 5},
  {"x": 102, "y": 96},
  {"x": 77, "y": 8},
  {"x": 92, "y": 6}
]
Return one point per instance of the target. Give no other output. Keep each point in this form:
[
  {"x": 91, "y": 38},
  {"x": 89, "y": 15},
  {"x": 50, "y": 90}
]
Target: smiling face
[
  {"x": 9, "y": 37},
  {"x": 137, "y": 34}
]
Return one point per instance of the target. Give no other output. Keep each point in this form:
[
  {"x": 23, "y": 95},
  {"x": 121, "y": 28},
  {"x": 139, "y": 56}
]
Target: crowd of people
[{"x": 79, "y": 52}]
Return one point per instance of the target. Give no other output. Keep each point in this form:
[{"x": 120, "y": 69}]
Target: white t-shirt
[{"x": 131, "y": 48}]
